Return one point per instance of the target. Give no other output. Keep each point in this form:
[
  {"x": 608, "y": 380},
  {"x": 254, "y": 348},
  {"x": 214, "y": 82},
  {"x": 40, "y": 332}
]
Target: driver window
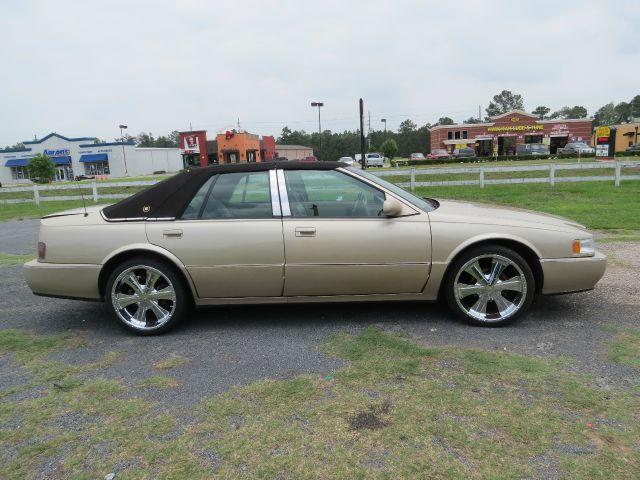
[{"x": 331, "y": 194}]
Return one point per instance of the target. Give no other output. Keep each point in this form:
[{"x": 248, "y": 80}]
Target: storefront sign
[
  {"x": 191, "y": 144},
  {"x": 56, "y": 153},
  {"x": 194, "y": 145},
  {"x": 515, "y": 128},
  {"x": 602, "y": 150},
  {"x": 603, "y": 134}
]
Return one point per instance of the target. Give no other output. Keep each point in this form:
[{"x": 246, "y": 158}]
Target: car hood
[{"x": 474, "y": 213}]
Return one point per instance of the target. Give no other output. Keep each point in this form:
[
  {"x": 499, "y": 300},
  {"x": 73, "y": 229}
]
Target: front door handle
[
  {"x": 305, "y": 231},
  {"x": 172, "y": 233}
]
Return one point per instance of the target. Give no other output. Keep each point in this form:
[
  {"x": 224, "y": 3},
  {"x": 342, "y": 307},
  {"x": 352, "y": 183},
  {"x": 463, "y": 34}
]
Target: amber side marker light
[
  {"x": 42, "y": 250},
  {"x": 576, "y": 247}
]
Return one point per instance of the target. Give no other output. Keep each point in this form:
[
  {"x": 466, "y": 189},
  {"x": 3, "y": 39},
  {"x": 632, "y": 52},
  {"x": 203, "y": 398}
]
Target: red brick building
[{"x": 504, "y": 132}]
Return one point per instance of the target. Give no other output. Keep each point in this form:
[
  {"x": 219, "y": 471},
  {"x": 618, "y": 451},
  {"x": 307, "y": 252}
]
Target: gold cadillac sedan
[{"x": 292, "y": 232}]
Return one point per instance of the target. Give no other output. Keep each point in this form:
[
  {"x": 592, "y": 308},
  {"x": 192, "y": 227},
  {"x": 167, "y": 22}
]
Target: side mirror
[{"x": 391, "y": 207}]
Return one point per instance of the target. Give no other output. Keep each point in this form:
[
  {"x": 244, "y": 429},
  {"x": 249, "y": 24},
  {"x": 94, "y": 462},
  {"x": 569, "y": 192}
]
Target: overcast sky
[{"x": 80, "y": 68}]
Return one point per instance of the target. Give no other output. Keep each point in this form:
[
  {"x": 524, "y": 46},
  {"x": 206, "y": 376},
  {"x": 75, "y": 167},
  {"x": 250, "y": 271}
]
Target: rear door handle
[
  {"x": 172, "y": 233},
  {"x": 305, "y": 231}
]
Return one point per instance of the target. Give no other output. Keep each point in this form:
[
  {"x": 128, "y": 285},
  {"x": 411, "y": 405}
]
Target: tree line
[{"x": 332, "y": 145}]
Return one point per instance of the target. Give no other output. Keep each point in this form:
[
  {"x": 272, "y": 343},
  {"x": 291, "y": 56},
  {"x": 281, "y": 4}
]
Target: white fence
[
  {"x": 482, "y": 170},
  {"x": 95, "y": 194}
]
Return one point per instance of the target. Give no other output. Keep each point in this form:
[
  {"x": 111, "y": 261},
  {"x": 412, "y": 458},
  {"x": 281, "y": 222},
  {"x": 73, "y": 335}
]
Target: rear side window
[{"x": 239, "y": 195}]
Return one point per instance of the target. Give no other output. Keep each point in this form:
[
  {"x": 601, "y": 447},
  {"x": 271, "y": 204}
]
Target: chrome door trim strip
[
  {"x": 275, "y": 198},
  {"x": 284, "y": 198}
]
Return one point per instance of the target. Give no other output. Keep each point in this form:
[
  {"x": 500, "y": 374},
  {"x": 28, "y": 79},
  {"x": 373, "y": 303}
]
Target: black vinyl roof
[{"x": 168, "y": 198}]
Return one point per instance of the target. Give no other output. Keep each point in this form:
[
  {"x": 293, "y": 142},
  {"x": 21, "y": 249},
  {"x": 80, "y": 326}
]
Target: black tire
[
  {"x": 463, "y": 295},
  {"x": 157, "y": 300}
]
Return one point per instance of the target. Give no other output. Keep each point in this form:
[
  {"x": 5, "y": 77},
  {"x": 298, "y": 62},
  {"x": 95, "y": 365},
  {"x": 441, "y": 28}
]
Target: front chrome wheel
[
  {"x": 490, "y": 285},
  {"x": 143, "y": 298}
]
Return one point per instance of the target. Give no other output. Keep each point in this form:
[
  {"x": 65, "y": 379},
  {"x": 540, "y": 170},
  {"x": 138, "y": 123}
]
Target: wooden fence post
[
  {"x": 481, "y": 176},
  {"x": 36, "y": 195},
  {"x": 94, "y": 188},
  {"x": 618, "y": 173},
  {"x": 552, "y": 174},
  {"x": 413, "y": 179}
]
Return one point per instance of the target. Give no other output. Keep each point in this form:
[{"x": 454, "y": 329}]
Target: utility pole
[
  {"x": 362, "y": 148},
  {"x": 124, "y": 154},
  {"x": 319, "y": 104}
]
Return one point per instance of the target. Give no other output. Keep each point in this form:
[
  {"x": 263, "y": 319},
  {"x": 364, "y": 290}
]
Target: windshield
[
  {"x": 439, "y": 152},
  {"x": 409, "y": 197},
  {"x": 539, "y": 147}
]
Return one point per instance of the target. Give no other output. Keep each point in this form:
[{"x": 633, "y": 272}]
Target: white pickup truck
[{"x": 374, "y": 160}]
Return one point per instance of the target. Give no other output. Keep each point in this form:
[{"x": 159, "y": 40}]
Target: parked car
[
  {"x": 374, "y": 160},
  {"x": 576, "y": 147},
  {"x": 416, "y": 156},
  {"x": 463, "y": 153},
  {"x": 84, "y": 177},
  {"x": 281, "y": 159},
  {"x": 633, "y": 148},
  {"x": 150, "y": 257},
  {"x": 438, "y": 153},
  {"x": 310, "y": 158},
  {"x": 532, "y": 149},
  {"x": 349, "y": 161}
]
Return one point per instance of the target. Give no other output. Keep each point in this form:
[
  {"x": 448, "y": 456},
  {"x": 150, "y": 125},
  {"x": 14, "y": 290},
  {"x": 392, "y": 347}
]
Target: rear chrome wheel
[
  {"x": 146, "y": 296},
  {"x": 490, "y": 286}
]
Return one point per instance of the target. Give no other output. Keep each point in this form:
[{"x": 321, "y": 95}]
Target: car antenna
[{"x": 84, "y": 204}]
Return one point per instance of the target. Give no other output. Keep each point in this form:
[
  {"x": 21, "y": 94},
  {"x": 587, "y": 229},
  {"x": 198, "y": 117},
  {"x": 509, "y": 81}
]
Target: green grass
[
  {"x": 625, "y": 348},
  {"x": 171, "y": 362},
  {"x": 158, "y": 381},
  {"x": 397, "y": 410},
  {"x": 598, "y": 205},
  {"x": 20, "y": 211},
  {"x": 10, "y": 260}
]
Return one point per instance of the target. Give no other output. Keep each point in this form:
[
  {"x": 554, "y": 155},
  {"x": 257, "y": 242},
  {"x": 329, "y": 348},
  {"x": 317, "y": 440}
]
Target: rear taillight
[{"x": 42, "y": 250}]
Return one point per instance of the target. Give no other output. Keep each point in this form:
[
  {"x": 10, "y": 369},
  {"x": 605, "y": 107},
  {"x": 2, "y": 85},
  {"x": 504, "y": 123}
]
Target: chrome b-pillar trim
[
  {"x": 275, "y": 200},
  {"x": 284, "y": 198}
]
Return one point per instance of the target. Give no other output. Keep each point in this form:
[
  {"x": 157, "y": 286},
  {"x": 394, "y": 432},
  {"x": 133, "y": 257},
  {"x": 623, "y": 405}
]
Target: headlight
[{"x": 584, "y": 248}]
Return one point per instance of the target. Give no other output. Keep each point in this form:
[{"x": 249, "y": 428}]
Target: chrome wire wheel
[
  {"x": 490, "y": 288},
  {"x": 143, "y": 298}
]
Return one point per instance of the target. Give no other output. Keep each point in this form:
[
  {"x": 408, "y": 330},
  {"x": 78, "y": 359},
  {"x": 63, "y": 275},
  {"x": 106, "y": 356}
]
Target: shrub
[{"x": 41, "y": 169}]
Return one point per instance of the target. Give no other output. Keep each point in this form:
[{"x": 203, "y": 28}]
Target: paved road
[
  {"x": 229, "y": 346},
  {"x": 19, "y": 236}
]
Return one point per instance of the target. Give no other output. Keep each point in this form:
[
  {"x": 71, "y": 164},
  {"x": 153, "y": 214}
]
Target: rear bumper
[
  {"x": 564, "y": 275},
  {"x": 63, "y": 280}
]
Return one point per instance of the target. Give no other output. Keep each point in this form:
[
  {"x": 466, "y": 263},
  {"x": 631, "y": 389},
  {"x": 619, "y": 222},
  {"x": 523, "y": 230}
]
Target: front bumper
[
  {"x": 63, "y": 279},
  {"x": 564, "y": 275}
]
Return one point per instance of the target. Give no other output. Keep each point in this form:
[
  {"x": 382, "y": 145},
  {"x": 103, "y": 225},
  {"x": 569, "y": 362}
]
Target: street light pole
[
  {"x": 319, "y": 104},
  {"x": 384, "y": 120},
  {"x": 124, "y": 154}
]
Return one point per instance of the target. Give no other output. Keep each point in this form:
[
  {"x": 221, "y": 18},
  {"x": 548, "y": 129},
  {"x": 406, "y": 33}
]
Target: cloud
[{"x": 81, "y": 68}]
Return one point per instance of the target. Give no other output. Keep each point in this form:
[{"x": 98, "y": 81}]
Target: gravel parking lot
[{"x": 229, "y": 346}]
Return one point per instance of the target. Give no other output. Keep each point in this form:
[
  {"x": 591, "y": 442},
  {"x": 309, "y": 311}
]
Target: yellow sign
[
  {"x": 603, "y": 132},
  {"x": 515, "y": 128},
  {"x": 515, "y": 119}
]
